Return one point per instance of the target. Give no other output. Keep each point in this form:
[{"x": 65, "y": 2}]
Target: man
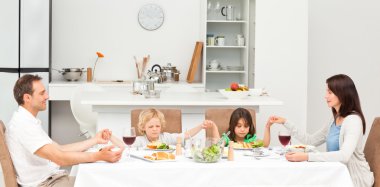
[{"x": 35, "y": 156}]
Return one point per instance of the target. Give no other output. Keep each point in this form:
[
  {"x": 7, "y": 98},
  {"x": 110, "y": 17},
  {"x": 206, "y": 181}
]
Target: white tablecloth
[{"x": 243, "y": 171}]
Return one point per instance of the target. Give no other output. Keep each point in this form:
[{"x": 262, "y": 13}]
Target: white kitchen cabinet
[{"x": 232, "y": 56}]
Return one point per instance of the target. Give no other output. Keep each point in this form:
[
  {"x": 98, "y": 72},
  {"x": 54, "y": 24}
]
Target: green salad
[
  {"x": 163, "y": 146},
  {"x": 208, "y": 154},
  {"x": 258, "y": 143}
]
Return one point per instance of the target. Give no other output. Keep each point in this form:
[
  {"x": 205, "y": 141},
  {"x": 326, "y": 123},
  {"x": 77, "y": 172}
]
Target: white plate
[
  {"x": 163, "y": 150},
  {"x": 299, "y": 148},
  {"x": 171, "y": 149},
  {"x": 141, "y": 157},
  {"x": 256, "y": 154}
]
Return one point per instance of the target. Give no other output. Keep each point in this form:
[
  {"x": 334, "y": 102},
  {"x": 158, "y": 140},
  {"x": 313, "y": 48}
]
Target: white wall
[
  {"x": 281, "y": 59},
  {"x": 80, "y": 28},
  {"x": 344, "y": 37}
]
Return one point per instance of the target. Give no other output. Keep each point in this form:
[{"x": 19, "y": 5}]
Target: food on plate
[
  {"x": 236, "y": 87},
  {"x": 160, "y": 156},
  {"x": 241, "y": 145},
  {"x": 157, "y": 145},
  {"x": 244, "y": 145},
  {"x": 257, "y": 143},
  {"x": 300, "y": 148}
]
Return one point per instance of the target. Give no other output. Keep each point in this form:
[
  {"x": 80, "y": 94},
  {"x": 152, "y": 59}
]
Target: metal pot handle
[{"x": 59, "y": 71}]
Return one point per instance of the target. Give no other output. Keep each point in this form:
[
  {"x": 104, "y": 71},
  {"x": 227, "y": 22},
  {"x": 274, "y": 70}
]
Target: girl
[
  {"x": 343, "y": 135},
  {"x": 242, "y": 129},
  {"x": 151, "y": 123}
]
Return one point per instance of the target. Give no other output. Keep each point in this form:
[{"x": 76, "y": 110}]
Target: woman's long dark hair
[
  {"x": 240, "y": 113},
  {"x": 344, "y": 88}
]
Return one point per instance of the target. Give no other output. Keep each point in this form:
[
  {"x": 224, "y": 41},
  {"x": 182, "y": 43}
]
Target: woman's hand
[
  {"x": 296, "y": 157},
  {"x": 276, "y": 119},
  {"x": 103, "y": 136}
]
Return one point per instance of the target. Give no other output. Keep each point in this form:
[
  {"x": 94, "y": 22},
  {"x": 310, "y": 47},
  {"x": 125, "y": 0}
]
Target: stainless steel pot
[{"x": 72, "y": 74}]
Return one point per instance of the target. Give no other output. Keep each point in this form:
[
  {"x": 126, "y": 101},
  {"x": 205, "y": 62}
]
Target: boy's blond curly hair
[{"x": 147, "y": 115}]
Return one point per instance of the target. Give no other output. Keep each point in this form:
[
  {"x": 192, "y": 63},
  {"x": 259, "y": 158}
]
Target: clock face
[{"x": 151, "y": 17}]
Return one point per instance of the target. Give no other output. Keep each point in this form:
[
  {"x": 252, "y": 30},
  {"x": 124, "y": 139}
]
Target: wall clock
[{"x": 151, "y": 17}]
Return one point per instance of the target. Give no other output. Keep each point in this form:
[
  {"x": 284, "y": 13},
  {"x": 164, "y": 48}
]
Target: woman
[{"x": 343, "y": 135}]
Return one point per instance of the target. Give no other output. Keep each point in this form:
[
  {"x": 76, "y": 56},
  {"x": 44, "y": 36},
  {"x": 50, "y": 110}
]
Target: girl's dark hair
[
  {"x": 240, "y": 113},
  {"x": 344, "y": 88}
]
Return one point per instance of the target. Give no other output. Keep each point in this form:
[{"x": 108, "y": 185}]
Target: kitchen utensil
[
  {"x": 168, "y": 72},
  {"x": 229, "y": 12},
  {"x": 71, "y": 74},
  {"x": 152, "y": 94},
  {"x": 140, "y": 86},
  {"x": 219, "y": 41}
]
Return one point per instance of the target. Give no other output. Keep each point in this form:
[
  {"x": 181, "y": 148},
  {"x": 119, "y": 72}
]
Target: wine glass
[
  {"x": 217, "y": 8},
  {"x": 284, "y": 137},
  {"x": 129, "y": 138}
]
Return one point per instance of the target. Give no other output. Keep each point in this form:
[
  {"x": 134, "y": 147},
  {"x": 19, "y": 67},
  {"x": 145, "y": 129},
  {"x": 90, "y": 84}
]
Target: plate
[
  {"x": 300, "y": 148},
  {"x": 257, "y": 154},
  {"x": 164, "y": 150},
  {"x": 171, "y": 149},
  {"x": 141, "y": 157}
]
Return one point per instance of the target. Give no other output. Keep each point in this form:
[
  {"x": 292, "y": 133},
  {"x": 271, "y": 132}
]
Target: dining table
[{"x": 246, "y": 169}]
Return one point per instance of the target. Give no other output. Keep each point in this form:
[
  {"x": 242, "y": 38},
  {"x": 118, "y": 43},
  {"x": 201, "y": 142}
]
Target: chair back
[
  {"x": 372, "y": 150},
  {"x": 221, "y": 117},
  {"x": 83, "y": 114},
  {"x": 9, "y": 172},
  {"x": 173, "y": 118}
]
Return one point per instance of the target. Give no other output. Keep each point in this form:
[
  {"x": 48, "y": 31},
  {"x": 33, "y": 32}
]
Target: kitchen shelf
[{"x": 230, "y": 54}]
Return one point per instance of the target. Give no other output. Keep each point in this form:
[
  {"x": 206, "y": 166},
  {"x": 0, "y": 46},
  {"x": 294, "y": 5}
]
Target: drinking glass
[
  {"x": 129, "y": 138},
  {"x": 217, "y": 8},
  {"x": 284, "y": 137}
]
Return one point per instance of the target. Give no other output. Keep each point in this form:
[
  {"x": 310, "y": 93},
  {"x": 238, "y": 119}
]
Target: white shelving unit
[{"x": 230, "y": 54}]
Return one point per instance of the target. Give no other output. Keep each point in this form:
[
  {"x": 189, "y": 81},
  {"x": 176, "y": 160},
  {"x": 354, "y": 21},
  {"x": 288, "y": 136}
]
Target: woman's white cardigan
[{"x": 350, "y": 148}]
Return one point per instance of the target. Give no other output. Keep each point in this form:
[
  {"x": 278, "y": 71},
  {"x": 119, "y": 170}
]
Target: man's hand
[
  {"x": 106, "y": 154},
  {"x": 296, "y": 157},
  {"x": 103, "y": 136}
]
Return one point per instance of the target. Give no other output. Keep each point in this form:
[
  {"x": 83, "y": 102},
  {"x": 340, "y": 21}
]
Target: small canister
[
  {"x": 210, "y": 40},
  {"x": 176, "y": 76}
]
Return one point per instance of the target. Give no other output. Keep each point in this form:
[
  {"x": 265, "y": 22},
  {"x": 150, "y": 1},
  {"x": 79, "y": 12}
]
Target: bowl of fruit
[{"x": 235, "y": 91}]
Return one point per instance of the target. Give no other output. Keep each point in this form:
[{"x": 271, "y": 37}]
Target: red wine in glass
[
  {"x": 284, "y": 139},
  {"x": 129, "y": 140}
]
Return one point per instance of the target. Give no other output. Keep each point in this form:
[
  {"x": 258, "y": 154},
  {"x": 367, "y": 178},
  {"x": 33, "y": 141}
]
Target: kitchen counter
[
  {"x": 114, "y": 107},
  {"x": 60, "y": 90}
]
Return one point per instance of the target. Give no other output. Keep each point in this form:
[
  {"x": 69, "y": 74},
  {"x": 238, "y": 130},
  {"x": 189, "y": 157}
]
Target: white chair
[{"x": 84, "y": 115}]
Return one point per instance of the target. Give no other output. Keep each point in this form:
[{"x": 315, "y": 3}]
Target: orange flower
[{"x": 100, "y": 55}]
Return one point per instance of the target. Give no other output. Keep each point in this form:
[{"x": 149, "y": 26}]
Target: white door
[
  {"x": 34, "y": 34},
  {"x": 7, "y": 102},
  {"x": 9, "y": 33}
]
